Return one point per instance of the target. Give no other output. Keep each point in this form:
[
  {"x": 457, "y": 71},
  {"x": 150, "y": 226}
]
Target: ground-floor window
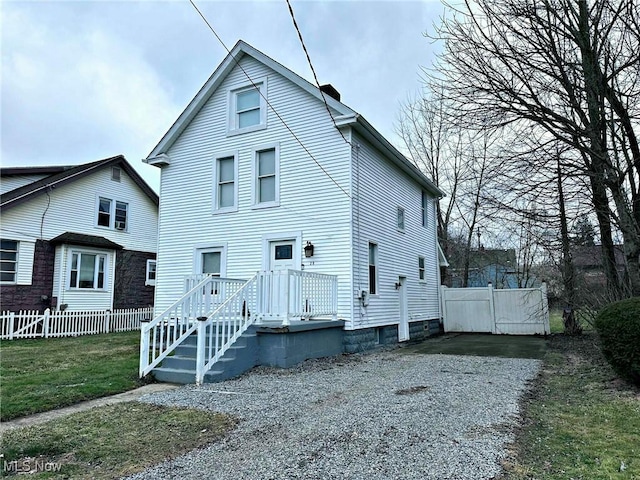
[
  {"x": 87, "y": 270},
  {"x": 8, "y": 261},
  {"x": 151, "y": 272}
]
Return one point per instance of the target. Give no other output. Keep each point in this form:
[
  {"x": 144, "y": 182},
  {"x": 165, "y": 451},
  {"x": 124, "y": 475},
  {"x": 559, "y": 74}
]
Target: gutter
[{"x": 363, "y": 127}]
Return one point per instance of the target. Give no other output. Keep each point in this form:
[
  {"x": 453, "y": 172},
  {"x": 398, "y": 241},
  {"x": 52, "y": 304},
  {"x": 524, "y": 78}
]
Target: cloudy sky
[{"x": 85, "y": 80}]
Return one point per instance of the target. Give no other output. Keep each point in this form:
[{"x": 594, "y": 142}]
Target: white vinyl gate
[{"x": 521, "y": 311}]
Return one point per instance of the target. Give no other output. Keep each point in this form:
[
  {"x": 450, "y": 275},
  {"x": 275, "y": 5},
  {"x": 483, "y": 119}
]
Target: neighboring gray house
[
  {"x": 241, "y": 192},
  {"x": 79, "y": 237}
]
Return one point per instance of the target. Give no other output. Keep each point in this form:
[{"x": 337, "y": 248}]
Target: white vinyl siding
[
  {"x": 309, "y": 201},
  {"x": 382, "y": 184},
  {"x": 73, "y": 207}
]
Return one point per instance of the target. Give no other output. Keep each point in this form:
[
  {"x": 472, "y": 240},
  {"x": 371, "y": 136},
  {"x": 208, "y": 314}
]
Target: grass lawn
[
  {"x": 109, "y": 442},
  {"x": 43, "y": 374},
  {"x": 580, "y": 420}
]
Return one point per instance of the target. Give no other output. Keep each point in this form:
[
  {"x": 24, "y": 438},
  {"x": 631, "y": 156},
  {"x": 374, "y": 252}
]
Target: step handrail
[
  {"x": 162, "y": 335},
  {"x": 220, "y": 330}
]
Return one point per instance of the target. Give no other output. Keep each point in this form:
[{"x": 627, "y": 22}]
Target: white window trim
[
  {"x": 254, "y": 176},
  {"x": 232, "y": 128},
  {"x": 234, "y": 208},
  {"x": 67, "y": 279},
  {"x": 17, "y": 267},
  {"x": 147, "y": 280},
  {"x": 424, "y": 208},
  {"x": 404, "y": 219},
  {"x": 424, "y": 269},
  {"x": 377, "y": 265},
  {"x": 197, "y": 257},
  {"x": 112, "y": 213}
]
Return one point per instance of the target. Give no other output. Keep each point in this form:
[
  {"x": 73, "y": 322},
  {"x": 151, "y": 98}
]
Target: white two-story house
[
  {"x": 80, "y": 237},
  {"x": 265, "y": 172}
]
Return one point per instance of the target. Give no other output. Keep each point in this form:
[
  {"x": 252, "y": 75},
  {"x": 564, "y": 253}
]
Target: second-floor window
[
  {"x": 373, "y": 268},
  {"x": 425, "y": 209},
  {"x": 113, "y": 213},
  {"x": 400, "y": 219},
  {"x": 226, "y": 183},
  {"x": 267, "y": 172}
]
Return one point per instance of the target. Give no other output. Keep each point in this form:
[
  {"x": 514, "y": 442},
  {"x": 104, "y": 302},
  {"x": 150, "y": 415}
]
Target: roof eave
[{"x": 363, "y": 127}]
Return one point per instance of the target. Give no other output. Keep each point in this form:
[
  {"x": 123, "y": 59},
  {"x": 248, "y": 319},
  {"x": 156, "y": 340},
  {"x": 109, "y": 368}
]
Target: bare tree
[{"x": 569, "y": 69}]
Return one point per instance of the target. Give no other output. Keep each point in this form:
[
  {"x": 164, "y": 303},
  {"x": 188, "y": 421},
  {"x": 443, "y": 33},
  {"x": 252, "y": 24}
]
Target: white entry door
[
  {"x": 281, "y": 259},
  {"x": 403, "y": 326}
]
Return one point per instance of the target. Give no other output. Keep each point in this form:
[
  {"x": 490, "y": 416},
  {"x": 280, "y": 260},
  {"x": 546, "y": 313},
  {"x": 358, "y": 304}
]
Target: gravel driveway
[{"x": 383, "y": 415}]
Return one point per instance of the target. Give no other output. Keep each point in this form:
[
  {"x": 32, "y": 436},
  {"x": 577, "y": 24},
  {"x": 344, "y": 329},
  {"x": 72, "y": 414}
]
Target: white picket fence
[{"x": 32, "y": 324}]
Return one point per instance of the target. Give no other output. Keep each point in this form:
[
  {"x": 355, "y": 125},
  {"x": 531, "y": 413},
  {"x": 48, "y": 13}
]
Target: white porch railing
[
  {"x": 286, "y": 295},
  {"x": 224, "y": 326},
  {"x": 164, "y": 333},
  {"x": 220, "y": 310},
  {"x": 32, "y": 324}
]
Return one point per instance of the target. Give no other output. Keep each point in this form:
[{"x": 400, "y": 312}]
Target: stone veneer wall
[
  {"x": 36, "y": 296},
  {"x": 130, "y": 289}
]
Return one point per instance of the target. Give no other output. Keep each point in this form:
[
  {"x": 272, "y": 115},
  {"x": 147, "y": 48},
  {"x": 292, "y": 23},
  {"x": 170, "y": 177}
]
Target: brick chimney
[{"x": 329, "y": 90}]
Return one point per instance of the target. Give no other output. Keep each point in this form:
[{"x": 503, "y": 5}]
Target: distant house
[
  {"x": 589, "y": 265},
  {"x": 77, "y": 237},
  {"x": 496, "y": 266},
  {"x": 291, "y": 196}
]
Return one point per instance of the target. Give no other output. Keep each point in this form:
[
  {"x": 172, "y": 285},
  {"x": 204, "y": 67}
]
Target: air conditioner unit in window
[{"x": 120, "y": 225}]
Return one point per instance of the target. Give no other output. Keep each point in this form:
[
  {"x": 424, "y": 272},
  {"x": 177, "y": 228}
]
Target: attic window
[
  {"x": 115, "y": 174},
  {"x": 248, "y": 110}
]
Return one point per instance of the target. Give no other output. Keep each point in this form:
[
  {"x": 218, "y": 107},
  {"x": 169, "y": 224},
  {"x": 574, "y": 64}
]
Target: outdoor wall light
[{"x": 308, "y": 250}]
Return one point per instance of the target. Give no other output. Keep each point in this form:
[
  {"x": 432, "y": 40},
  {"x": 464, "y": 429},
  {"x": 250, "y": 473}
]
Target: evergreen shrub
[{"x": 618, "y": 325}]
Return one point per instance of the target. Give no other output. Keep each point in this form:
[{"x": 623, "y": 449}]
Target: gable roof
[
  {"x": 346, "y": 116},
  {"x": 61, "y": 175}
]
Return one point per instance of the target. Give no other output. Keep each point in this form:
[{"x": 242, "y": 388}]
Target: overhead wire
[
  {"x": 267, "y": 100},
  {"x": 313, "y": 70}
]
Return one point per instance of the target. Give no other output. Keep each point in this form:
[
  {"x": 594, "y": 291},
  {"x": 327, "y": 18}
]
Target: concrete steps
[{"x": 181, "y": 366}]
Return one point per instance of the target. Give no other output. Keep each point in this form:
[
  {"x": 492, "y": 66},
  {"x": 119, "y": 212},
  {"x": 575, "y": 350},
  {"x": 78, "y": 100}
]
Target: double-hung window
[
  {"x": 373, "y": 268},
  {"x": 421, "y": 269},
  {"x": 248, "y": 108},
  {"x": 425, "y": 209},
  {"x": 226, "y": 183},
  {"x": 87, "y": 270},
  {"x": 113, "y": 213},
  {"x": 8, "y": 261},
  {"x": 151, "y": 272},
  {"x": 267, "y": 173}
]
